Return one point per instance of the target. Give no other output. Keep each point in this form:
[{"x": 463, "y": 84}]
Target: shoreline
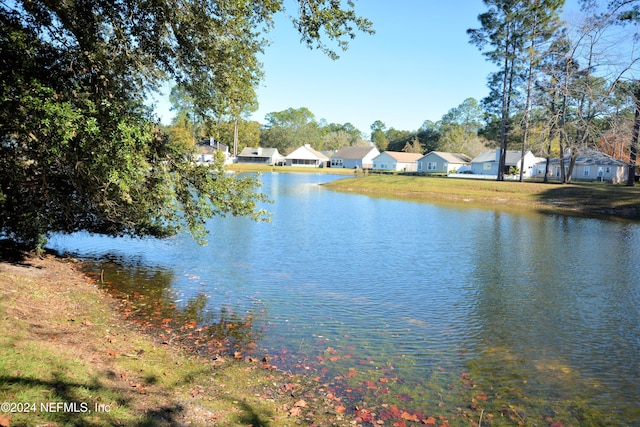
[
  {"x": 72, "y": 359},
  {"x": 581, "y": 199},
  {"x": 591, "y": 200}
]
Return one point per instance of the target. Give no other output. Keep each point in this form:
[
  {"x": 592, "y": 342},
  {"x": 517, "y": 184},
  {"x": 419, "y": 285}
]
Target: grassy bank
[
  {"x": 585, "y": 199},
  {"x": 69, "y": 359}
]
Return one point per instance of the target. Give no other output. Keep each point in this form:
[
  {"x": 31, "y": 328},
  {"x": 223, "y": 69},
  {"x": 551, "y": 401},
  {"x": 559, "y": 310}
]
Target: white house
[
  {"x": 441, "y": 162},
  {"x": 396, "y": 161},
  {"x": 487, "y": 163},
  {"x": 259, "y": 155},
  {"x": 354, "y": 157},
  {"x": 307, "y": 157},
  {"x": 590, "y": 165},
  {"x": 205, "y": 150}
]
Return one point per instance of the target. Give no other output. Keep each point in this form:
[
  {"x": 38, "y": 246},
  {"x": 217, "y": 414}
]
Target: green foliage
[
  {"x": 79, "y": 150},
  {"x": 289, "y": 129},
  {"x": 378, "y": 136}
]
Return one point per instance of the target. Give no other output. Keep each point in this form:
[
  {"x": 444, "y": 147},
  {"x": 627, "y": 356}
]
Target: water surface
[{"x": 435, "y": 310}]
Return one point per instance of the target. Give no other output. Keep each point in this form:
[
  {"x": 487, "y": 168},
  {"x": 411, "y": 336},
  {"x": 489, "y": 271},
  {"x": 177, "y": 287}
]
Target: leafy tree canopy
[{"x": 79, "y": 148}]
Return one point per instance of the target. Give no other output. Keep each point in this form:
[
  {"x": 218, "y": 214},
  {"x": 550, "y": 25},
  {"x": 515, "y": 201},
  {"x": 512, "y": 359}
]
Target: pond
[{"x": 413, "y": 311}]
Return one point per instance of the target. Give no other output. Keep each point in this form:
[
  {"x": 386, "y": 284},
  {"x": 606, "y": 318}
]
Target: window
[
  {"x": 585, "y": 171},
  {"x": 607, "y": 169},
  {"x": 431, "y": 166}
]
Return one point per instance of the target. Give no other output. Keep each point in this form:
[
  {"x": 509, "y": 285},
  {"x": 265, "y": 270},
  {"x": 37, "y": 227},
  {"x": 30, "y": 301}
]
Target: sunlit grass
[{"x": 597, "y": 199}]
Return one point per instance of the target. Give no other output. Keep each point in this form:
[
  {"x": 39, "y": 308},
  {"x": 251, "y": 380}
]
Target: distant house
[
  {"x": 354, "y": 157},
  {"x": 487, "y": 163},
  {"x": 307, "y": 157},
  {"x": 441, "y": 162},
  {"x": 205, "y": 150},
  {"x": 590, "y": 165},
  {"x": 262, "y": 156},
  {"x": 396, "y": 161}
]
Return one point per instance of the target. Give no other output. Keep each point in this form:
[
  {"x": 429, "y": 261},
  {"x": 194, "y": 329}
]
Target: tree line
[
  {"x": 572, "y": 84},
  {"x": 561, "y": 86}
]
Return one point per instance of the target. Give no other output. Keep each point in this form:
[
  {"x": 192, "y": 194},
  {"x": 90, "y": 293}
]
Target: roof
[
  {"x": 592, "y": 157},
  {"x": 512, "y": 157},
  {"x": 451, "y": 157},
  {"x": 353, "y": 153},
  {"x": 306, "y": 152},
  {"x": 401, "y": 156},
  {"x": 258, "y": 152},
  {"x": 208, "y": 146}
]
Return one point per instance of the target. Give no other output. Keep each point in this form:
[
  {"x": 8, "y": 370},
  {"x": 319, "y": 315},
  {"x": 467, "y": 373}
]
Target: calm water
[{"x": 438, "y": 310}]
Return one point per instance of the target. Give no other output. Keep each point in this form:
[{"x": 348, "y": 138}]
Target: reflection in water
[
  {"x": 148, "y": 300},
  {"x": 402, "y": 306}
]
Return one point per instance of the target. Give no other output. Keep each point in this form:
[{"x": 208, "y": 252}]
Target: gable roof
[
  {"x": 258, "y": 152},
  {"x": 210, "y": 145},
  {"x": 352, "y": 153},
  {"x": 593, "y": 157},
  {"x": 306, "y": 152},
  {"x": 450, "y": 157},
  {"x": 401, "y": 156},
  {"x": 512, "y": 157}
]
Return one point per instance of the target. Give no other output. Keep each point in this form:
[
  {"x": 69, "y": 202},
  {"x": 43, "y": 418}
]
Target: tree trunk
[
  {"x": 505, "y": 108},
  {"x": 527, "y": 110},
  {"x": 633, "y": 149}
]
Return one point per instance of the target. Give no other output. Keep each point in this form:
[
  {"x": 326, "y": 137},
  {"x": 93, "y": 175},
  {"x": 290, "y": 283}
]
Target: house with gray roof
[
  {"x": 354, "y": 157},
  {"x": 442, "y": 162},
  {"x": 487, "y": 163},
  {"x": 590, "y": 165},
  {"x": 262, "y": 156}
]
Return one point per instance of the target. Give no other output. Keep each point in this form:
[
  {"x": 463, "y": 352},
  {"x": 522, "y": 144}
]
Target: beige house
[{"x": 396, "y": 161}]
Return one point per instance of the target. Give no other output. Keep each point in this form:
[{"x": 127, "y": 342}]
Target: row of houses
[{"x": 590, "y": 165}]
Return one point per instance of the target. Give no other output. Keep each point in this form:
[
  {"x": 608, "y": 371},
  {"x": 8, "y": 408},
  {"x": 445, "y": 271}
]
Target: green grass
[{"x": 587, "y": 199}]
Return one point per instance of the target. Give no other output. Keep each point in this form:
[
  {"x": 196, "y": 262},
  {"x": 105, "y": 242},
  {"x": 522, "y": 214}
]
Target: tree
[
  {"x": 543, "y": 22},
  {"x": 502, "y": 29},
  {"x": 468, "y": 116},
  {"x": 633, "y": 149},
  {"x": 289, "y": 129},
  {"x": 378, "y": 136},
  {"x": 79, "y": 148}
]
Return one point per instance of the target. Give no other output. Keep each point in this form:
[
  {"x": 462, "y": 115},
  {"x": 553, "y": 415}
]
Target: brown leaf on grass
[
  {"x": 409, "y": 417},
  {"x": 429, "y": 421},
  {"x": 5, "y": 420},
  {"x": 340, "y": 409},
  {"x": 295, "y": 411}
]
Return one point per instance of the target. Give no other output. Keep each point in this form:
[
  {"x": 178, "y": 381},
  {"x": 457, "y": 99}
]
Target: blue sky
[{"x": 417, "y": 66}]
